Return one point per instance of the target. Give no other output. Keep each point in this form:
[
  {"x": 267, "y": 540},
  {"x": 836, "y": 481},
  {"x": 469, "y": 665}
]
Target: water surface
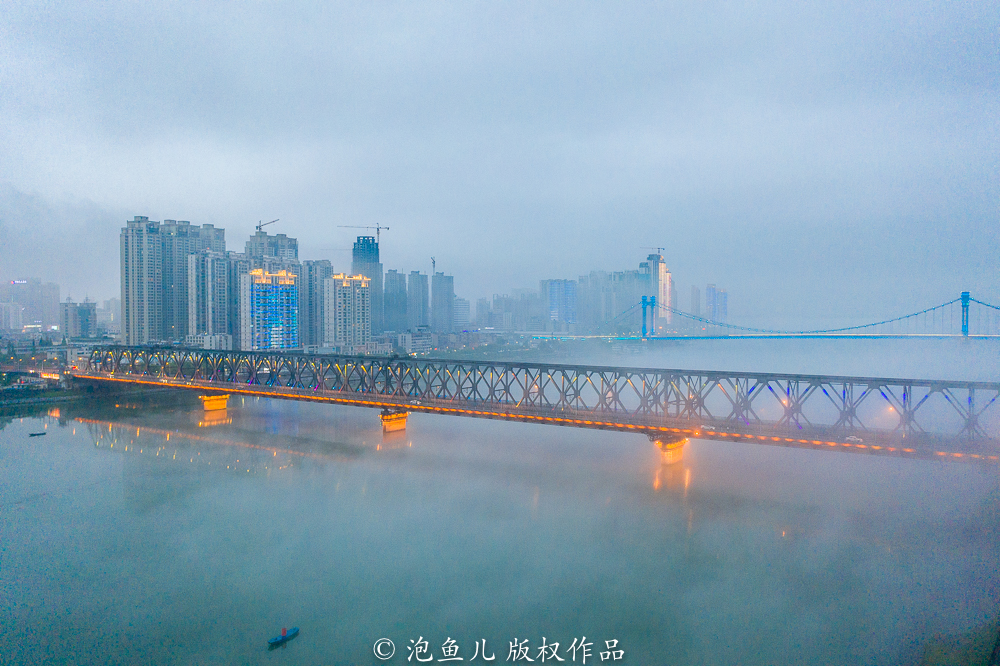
[{"x": 166, "y": 536}]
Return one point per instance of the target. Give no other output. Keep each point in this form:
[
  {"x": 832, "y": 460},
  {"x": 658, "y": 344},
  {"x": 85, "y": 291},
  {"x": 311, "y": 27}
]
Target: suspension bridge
[
  {"x": 963, "y": 316},
  {"x": 908, "y": 417}
]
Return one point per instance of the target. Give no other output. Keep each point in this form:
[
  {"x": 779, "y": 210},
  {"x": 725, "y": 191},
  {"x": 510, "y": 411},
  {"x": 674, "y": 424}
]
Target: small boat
[
  {"x": 286, "y": 635},
  {"x": 36, "y": 434}
]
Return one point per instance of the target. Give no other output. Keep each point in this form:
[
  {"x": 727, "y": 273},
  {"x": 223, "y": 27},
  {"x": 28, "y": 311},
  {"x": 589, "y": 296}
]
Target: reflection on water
[{"x": 129, "y": 531}]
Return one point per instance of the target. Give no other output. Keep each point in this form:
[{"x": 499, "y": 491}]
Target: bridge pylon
[
  {"x": 671, "y": 447},
  {"x": 965, "y": 313}
]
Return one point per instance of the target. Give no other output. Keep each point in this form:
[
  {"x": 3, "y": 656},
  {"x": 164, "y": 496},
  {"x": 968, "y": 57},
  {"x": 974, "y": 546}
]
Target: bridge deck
[{"x": 865, "y": 414}]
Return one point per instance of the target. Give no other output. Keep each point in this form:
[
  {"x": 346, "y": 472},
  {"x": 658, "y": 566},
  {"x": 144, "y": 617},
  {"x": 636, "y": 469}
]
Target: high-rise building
[
  {"x": 69, "y": 321},
  {"x": 266, "y": 255},
  {"x": 269, "y": 308},
  {"x": 365, "y": 261},
  {"x": 722, "y": 306},
  {"x": 661, "y": 287},
  {"x": 109, "y": 317},
  {"x": 442, "y": 303},
  {"x": 279, "y": 247},
  {"x": 312, "y": 301},
  {"x": 78, "y": 320},
  {"x": 238, "y": 264},
  {"x": 559, "y": 297},
  {"x": 417, "y": 300},
  {"x": 609, "y": 302},
  {"x": 181, "y": 239},
  {"x": 154, "y": 276},
  {"x": 711, "y": 303},
  {"x": 483, "y": 310},
  {"x": 50, "y": 305},
  {"x": 462, "y": 314},
  {"x": 695, "y": 301},
  {"x": 10, "y": 317},
  {"x": 39, "y": 302},
  {"x": 208, "y": 293},
  {"x": 348, "y": 312},
  {"x": 141, "y": 281},
  {"x": 394, "y": 304}
]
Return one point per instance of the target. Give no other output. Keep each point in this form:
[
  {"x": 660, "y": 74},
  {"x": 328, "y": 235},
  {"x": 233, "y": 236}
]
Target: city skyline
[
  {"x": 516, "y": 148},
  {"x": 181, "y": 284}
]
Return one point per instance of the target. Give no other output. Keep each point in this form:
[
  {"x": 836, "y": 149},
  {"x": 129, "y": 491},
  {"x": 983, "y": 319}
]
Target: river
[{"x": 145, "y": 534}]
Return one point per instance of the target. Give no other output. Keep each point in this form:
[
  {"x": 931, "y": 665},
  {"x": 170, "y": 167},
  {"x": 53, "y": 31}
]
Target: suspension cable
[{"x": 805, "y": 332}]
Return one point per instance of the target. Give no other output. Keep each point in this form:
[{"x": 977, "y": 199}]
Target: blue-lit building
[{"x": 269, "y": 310}]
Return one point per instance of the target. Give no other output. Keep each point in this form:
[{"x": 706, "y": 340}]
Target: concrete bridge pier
[
  {"x": 393, "y": 420},
  {"x": 671, "y": 447},
  {"x": 212, "y": 403}
]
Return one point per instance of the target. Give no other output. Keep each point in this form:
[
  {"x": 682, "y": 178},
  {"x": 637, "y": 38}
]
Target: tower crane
[
  {"x": 434, "y": 265},
  {"x": 659, "y": 250},
  {"x": 261, "y": 225},
  {"x": 377, "y": 228}
]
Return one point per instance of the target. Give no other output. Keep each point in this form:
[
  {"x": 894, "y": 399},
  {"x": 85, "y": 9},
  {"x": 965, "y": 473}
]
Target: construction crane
[
  {"x": 434, "y": 265},
  {"x": 659, "y": 250},
  {"x": 377, "y": 228},
  {"x": 261, "y": 225}
]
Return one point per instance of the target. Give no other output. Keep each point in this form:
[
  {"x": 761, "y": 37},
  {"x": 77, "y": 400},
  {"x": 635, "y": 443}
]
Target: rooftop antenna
[
  {"x": 261, "y": 225},
  {"x": 377, "y": 228},
  {"x": 434, "y": 265}
]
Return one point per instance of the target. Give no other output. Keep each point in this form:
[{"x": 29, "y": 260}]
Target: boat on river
[
  {"x": 286, "y": 635},
  {"x": 36, "y": 434}
]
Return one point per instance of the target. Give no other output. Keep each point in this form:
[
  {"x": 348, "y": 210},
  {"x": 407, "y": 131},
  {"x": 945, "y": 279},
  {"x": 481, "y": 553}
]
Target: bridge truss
[{"x": 902, "y": 416}]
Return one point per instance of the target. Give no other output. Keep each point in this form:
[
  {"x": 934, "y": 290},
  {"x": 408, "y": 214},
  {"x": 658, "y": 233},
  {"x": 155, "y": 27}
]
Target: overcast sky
[{"x": 814, "y": 160}]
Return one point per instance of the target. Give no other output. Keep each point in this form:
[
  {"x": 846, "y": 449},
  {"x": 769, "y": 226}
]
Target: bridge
[
  {"x": 963, "y": 316},
  {"x": 905, "y": 417}
]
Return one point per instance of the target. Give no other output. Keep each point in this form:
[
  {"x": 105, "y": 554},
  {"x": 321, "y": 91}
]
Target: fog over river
[{"x": 133, "y": 534}]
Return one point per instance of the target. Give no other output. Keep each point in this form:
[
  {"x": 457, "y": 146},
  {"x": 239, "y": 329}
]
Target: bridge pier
[
  {"x": 671, "y": 447},
  {"x": 214, "y": 402},
  {"x": 393, "y": 420}
]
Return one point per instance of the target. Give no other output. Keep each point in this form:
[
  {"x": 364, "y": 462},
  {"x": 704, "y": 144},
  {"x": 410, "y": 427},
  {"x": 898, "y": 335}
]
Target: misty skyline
[{"x": 811, "y": 160}]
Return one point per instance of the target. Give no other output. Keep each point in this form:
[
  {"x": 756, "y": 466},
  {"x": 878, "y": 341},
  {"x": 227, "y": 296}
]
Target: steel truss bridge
[{"x": 913, "y": 417}]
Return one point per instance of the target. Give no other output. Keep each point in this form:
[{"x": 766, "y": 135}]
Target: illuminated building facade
[
  {"x": 348, "y": 311},
  {"x": 269, "y": 310}
]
